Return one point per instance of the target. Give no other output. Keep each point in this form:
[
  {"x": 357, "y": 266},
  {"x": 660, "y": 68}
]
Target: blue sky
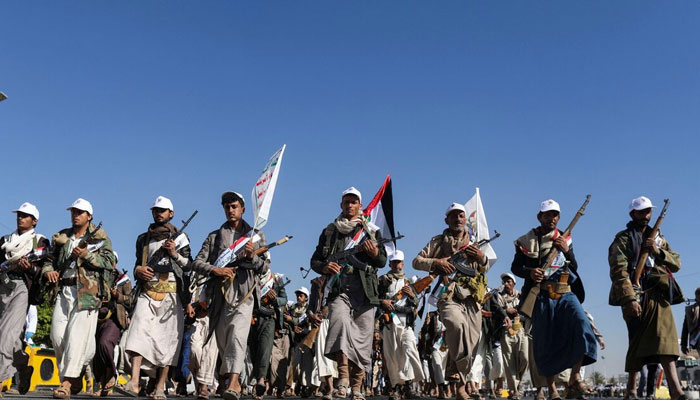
[{"x": 121, "y": 102}]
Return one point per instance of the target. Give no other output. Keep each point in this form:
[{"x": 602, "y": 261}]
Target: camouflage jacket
[
  {"x": 94, "y": 267},
  {"x": 622, "y": 262}
]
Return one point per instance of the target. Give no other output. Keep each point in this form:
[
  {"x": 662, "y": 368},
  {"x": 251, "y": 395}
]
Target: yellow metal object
[
  {"x": 45, "y": 368},
  {"x": 662, "y": 393}
]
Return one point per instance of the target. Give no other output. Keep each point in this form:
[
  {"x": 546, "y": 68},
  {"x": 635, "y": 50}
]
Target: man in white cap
[
  {"x": 19, "y": 268},
  {"x": 562, "y": 336},
  {"x": 650, "y": 325},
  {"x": 81, "y": 265},
  {"x": 514, "y": 341},
  {"x": 459, "y": 304},
  {"x": 351, "y": 293},
  {"x": 229, "y": 255},
  {"x": 399, "y": 302},
  {"x": 302, "y": 357},
  {"x": 156, "y": 329}
]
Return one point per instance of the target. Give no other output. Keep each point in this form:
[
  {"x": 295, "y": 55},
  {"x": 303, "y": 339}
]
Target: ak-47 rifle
[
  {"x": 457, "y": 260},
  {"x": 257, "y": 252},
  {"x": 528, "y": 305},
  {"x": 154, "y": 260},
  {"x": 347, "y": 260},
  {"x": 348, "y": 256},
  {"x": 82, "y": 244},
  {"x": 639, "y": 269},
  {"x": 266, "y": 289}
]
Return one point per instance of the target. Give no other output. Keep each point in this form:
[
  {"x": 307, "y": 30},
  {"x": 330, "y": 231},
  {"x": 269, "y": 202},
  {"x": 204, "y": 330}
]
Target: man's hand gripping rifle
[{"x": 154, "y": 261}]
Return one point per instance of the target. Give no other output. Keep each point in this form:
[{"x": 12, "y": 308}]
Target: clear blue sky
[{"x": 121, "y": 102}]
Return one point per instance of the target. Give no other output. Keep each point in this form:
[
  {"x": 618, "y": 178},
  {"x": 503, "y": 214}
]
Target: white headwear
[
  {"x": 641, "y": 203},
  {"x": 549, "y": 205},
  {"x": 163, "y": 202},
  {"x": 455, "y": 206},
  {"x": 81, "y": 204},
  {"x": 352, "y": 190},
  {"x": 302, "y": 290},
  {"x": 397, "y": 256},
  {"x": 28, "y": 208}
]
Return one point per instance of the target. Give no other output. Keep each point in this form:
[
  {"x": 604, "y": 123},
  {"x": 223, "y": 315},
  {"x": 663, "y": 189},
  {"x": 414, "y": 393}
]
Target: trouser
[
  {"x": 279, "y": 362},
  {"x": 260, "y": 341},
  {"x": 232, "y": 336},
  {"x": 183, "y": 359},
  {"x": 13, "y": 313},
  {"x": 323, "y": 366},
  {"x": 203, "y": 354},
  {"x": 462, "y": 321},
  {"x": 438, "y": 362},
  {"x": 303, "y": 364},
  {"x": 493, "y": 364},
  {"x": 72, "y": 333},
  {"x": 515, "y": 353},
  {"x": 401, "y": 354},
  {"x": 107, "y": 337}
]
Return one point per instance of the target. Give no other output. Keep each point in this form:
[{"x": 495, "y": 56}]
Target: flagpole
[{"x": 476, "y": 214}]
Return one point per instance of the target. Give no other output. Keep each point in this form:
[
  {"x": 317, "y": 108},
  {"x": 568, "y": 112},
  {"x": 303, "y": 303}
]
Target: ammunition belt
[
  {"x": 68, "y": 281},
  {"x": 555, "y": 288}
]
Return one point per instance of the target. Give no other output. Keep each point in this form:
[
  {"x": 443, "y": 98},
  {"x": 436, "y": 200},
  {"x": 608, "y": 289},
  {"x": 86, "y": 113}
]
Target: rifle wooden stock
[
  {"x": 639, "y": 268},
  {"x": 418, "y": 288},
  {"x": 528, "y": 304},
  {"x": 313, "y": 333},
  {"x": 554, "y": 252}
]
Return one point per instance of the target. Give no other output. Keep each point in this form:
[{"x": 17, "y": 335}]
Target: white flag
[
  {"x": 477, "y": 225},
  {"x": 264, "y": 189}
]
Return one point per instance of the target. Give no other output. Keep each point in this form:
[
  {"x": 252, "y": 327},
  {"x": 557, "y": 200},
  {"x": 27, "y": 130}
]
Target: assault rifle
[
  {"x": 644, "y": 255},
  {"x": 82, "y": 244},
  {"x": 154, "y": 260},
  {"x": 457, "y": 260},
  {"x": 348, "y": 261},
  {"x": 266, "y": 289},
  {"x": 33, "y": 256},
  {"x": 348, "y": 256},
  {"x": 84, "y": 241},
  {"x": 528, "y": 305}
]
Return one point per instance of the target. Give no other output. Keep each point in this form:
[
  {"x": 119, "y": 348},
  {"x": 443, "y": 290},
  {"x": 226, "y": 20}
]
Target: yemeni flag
[{"x": 381, "y": 213}]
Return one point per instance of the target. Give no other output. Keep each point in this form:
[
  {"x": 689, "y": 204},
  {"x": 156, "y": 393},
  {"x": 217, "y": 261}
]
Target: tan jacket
[{"x": 445, "y": 245}]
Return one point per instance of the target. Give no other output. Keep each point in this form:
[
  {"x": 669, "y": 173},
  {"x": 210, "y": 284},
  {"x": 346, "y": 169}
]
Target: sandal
[
  {"x": 341, "y": 392},
  {"x": 230, "y": 394},
  {"x": 358, "y": 396},
  {"x": 127, "y": 390},
  {"x": 203, "y": 393},
  {"x": 61, "y": 392},
  {"x": 577, "y": 391},
  {"x": 159, "y": 395}
]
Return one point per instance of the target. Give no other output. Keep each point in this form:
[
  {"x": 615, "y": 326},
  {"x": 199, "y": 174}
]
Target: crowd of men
[{"x": 223, "y": 318}]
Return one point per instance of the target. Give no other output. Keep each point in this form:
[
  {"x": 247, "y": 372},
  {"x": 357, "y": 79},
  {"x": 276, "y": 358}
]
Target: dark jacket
[
  {"x": 332, "y": 241},
  {"x": 522, "y": 265}
]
